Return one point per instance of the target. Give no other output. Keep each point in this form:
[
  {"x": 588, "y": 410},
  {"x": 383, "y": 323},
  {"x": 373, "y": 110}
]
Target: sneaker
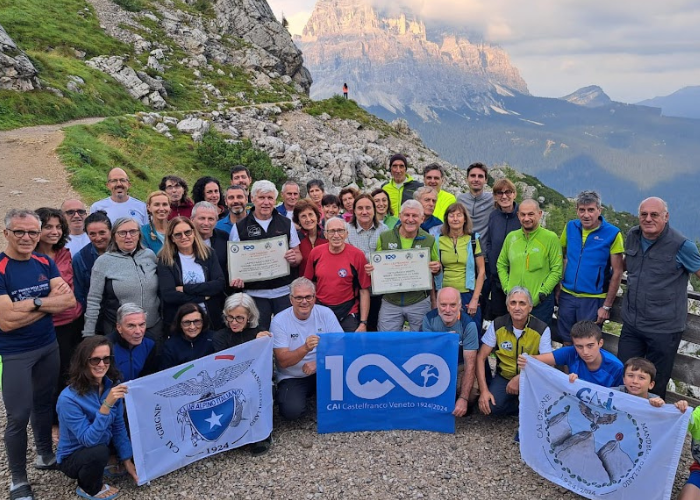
[
  {"x": 45, "y": 462},
  {"x": 21, "y": 492},
  {"x": 106, "y": 493}
]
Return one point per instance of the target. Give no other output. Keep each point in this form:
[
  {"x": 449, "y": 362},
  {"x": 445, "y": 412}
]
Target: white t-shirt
[
  {"x": 291, "y": 332},
  {"x": 130, "y": 208},
  {"x": 489, "y": 338},
  {"x": 293, "y": 243},
  {"x": 76, "y": 242},
  {"x": 191, "y": 271}
]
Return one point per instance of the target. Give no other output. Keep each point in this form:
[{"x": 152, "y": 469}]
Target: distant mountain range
[
  {"x": 684, "y": 103},
  {"x": 470, "y": 104}
]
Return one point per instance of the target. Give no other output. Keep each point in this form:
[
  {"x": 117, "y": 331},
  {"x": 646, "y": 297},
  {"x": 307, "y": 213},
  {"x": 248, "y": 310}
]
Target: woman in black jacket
[
  {"x": 189, "y": 271},
  {"x": 502, "y": 221},
  {"x": 190, "y": 337}
]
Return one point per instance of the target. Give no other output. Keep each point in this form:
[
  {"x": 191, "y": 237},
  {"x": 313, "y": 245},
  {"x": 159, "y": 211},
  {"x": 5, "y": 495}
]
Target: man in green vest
[
  {"x": 406, "y": 306},
  {"x": 401, "y": 186},
  {"x": 510, "y": 335}
]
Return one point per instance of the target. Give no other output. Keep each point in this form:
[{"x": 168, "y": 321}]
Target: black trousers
[
  {"x": 87, "y": 465},
  {"x": 292, "y": 394},
  {"x": 658, "y": 347}
]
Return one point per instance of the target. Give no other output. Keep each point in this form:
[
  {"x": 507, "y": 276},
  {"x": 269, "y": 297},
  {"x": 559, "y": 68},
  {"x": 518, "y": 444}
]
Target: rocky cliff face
[
  {"x": 16, "y": 70},
  {"x": 399, "y": 64},
  {"x": 590, "y": 97}
]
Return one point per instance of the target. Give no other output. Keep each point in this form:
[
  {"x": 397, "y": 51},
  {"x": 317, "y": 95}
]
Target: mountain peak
[
  {"x": 387, "y": 57},
  {"x": 590, "y": 97}
]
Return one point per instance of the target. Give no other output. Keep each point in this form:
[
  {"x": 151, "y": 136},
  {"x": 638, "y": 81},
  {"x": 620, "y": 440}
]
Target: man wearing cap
[{"x": 401, "y": 186}]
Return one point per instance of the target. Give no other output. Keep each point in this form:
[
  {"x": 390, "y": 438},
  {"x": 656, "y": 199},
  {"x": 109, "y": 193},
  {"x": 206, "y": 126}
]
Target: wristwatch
[
  {"x": 363, "y": 322},
  {"x": 37, "y": 304},
  {"x": 607, "y": 308}
]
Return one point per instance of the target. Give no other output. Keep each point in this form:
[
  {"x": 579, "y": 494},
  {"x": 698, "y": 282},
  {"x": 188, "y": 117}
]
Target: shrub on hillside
[{"x": 215, "y": 151}]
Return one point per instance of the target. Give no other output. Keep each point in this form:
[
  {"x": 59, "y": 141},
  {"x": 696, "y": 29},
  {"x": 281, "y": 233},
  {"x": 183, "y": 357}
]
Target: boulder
[{"x": 16, "y": 70}]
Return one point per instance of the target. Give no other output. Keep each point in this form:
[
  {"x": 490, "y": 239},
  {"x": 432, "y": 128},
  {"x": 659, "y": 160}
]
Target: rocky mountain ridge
[
  {"x": 591, "y": 97},
  {"x": 387, "y": 60}
]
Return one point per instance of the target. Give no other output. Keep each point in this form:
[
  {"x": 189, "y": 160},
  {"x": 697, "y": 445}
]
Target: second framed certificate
[{"x": 401, "y": 270}]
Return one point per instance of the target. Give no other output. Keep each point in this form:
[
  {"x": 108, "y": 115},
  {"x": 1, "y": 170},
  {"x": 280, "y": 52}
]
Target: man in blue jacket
[
  {"x": 592, "y": 250},
  {"x": 134, "y": 353}
]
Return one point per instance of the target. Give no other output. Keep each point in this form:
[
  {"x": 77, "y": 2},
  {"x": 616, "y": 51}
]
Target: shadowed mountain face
[
  {"x": 683, "y": 103},
  {"x": 470, "y": 104}
]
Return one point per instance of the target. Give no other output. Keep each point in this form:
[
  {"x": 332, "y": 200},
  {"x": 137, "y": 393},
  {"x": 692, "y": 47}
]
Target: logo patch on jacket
[{"x": 506, "y": 345}]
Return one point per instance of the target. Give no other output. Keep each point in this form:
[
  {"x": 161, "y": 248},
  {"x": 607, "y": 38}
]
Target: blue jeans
[
  {"x": 545, "y": 309},
  {"x": 466, "y": 298},
  {"x": 506, "y": 404}
]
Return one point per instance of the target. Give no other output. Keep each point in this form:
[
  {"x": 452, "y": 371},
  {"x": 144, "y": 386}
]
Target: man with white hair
[
  {"x": 406, "y": 306},
  {"x": 295, "y": 334},
  {"x": 134, "y": 353},
  {"x": 204, "y": 217},
  {"x": 263, "y": 222},
  {"x": 290, "y": 196}
]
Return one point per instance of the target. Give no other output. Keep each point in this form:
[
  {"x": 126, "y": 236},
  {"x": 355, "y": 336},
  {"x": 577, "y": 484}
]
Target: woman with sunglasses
[
  {"x": 502, "y": 221},
  {"x": 153, "y": 233},
  {"x": 189, "y": 271},
  {"x": 241, "y": 316},
  {"x": 126, "y": 272},
  {"x": 91, "y": 416},
  {"x": 190, "y": 337}
]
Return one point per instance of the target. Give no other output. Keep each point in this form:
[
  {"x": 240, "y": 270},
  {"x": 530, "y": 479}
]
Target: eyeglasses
[
  {"x": 184, "y": 234},
  {"x": 118, "y": 181},
  {"x": 20, "y": 233},
  {"x": 236, "y": 319},
  {"x": 107, "y": 360},
  {"x": 172, "y": 187},
  {"x": 186, "y": 323},
  {"x": 507, "y": 192},
  {"x": 71, "y": 212},
  {"x": 130, "y": 232},
  {"x": 335, "y": 231},
  {"x": 303, "y": 298}
]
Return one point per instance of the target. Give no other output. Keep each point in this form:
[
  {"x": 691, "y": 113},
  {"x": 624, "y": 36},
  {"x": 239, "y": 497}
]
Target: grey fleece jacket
[
  {"x": 119, "y": 278},
  {"x": 479, "y": 209}
]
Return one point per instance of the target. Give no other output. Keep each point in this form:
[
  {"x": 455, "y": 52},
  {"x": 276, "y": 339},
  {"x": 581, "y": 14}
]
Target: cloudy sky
[{"x": 633, "y": 49}]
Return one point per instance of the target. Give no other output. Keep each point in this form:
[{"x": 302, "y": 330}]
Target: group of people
[{"x": 93, "y": 300}]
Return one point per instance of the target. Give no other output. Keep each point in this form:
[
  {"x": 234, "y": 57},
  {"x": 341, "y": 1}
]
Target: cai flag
[
  {"x": 198, "y": 409},
  {"x": 596, "y": 441},
  {"x": 386, "y": 380}
]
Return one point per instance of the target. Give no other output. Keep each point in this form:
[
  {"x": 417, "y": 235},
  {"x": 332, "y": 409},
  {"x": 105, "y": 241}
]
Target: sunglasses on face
[{"x": 107, "y": 360}]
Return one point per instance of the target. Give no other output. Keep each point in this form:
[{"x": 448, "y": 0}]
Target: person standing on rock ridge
[
  {"x": 119, "y": 204},
  {"x": 401, "y": 186},
  {"x": 345, "y": 90}
]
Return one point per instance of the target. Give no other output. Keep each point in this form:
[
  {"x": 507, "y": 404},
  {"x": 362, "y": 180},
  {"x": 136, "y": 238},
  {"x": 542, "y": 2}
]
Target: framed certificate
[
  {"x": 401, "y": 270},
  {"x": 258, "y": 260}
]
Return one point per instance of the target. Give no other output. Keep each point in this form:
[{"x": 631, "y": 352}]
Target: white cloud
[{"x": 633, "y": 49}]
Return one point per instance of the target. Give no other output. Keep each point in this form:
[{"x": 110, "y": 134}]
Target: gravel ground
[{"x": 479, "y": 459}]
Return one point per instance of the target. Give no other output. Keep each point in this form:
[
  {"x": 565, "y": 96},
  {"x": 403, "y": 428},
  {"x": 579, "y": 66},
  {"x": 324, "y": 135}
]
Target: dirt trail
[{"x": 31, "y": 174}]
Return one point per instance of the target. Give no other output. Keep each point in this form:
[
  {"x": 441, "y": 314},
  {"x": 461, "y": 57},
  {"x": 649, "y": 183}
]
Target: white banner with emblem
[
  {"x": 596, "y": 441},
  {"x": 198, "y": 409}
]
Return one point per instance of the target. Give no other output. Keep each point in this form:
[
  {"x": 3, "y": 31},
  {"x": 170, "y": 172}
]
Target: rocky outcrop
[
  {"x": 243, "y": 34},
  {"x": 340, "y": 152},
  {"x": 590, "y": 97},
  {"x": 387, "y": 60},
  {"x": 16, "y": 70},
  {"x": 150, "y": 92}
]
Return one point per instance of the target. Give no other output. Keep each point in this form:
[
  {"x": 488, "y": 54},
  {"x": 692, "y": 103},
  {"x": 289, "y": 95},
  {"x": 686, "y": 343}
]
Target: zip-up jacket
[
  {"x": 82, "y": 269},
  {"x": 587, "y": 264},
  {"x": 422, "y": 240},
  {"x": 118, "y": 278},
  {"x": 500, "y": 224},
  {"x": 509, "y": 347},
  {"x": 82, "y": 425},
  {"x": 533, "y": 261},
  {"x": 134, "y": 361},
  {"x": 398, "y": 195},
  {"x": 479, "y": 208},
  {"x": 170, "y": 277},
  {"x": 178, "y": 349}
]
